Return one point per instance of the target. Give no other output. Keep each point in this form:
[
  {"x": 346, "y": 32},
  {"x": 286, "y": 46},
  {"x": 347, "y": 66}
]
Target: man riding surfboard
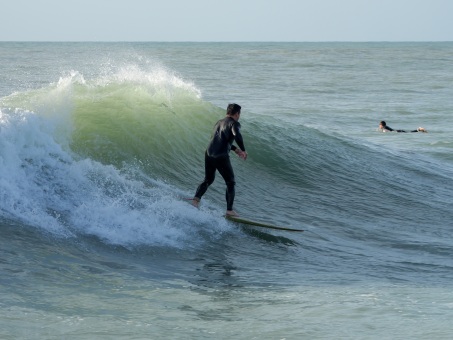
[{"x": 226, "y": 131}]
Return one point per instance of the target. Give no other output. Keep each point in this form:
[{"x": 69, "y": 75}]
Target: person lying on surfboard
[
  {"x": 384, "y": 128},
  {"x": 226, "y": 131}
]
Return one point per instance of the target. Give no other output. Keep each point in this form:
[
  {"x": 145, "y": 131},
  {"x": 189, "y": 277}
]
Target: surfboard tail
[{"x": 252, "y": 223}]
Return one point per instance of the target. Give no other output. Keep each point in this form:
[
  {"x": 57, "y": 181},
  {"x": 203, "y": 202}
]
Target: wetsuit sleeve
[{"x": 236, "y": 129}]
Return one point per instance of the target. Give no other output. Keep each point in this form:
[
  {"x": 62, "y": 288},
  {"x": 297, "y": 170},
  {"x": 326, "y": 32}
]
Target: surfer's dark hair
[
  {"x": 232, "y": 109},
  {"x": 383, "y": 123}
]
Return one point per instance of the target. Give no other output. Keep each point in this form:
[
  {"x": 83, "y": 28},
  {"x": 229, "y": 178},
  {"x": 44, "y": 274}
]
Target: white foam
[{"x": 46, "y": 186}]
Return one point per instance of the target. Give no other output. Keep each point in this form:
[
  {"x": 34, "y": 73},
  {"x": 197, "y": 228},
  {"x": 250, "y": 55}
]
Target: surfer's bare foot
[
  {"x": 231, "y": 213},
  {"x": 195, "y": 202}
]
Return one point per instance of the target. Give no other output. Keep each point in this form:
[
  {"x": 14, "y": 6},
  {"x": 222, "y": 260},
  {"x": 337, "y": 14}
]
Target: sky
[{"x": 226, "y": 20}]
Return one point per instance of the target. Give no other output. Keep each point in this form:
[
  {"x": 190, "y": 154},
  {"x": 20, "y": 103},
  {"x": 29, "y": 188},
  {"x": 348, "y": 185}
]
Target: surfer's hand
[{"x": 241, "y": 154}]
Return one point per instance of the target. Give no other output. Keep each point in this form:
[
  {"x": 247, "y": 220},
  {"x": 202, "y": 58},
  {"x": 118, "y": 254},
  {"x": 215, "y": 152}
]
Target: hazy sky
[{"x": 226, "y": 20}]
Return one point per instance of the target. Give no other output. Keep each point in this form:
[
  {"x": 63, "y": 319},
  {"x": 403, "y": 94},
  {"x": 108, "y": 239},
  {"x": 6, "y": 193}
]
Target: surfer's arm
[{"x": 236, "y": 130}]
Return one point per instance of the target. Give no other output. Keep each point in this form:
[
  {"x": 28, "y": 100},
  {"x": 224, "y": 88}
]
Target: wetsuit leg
[
  {"x": 209, "y": 168},
  {"x": 226, "y": 170}
]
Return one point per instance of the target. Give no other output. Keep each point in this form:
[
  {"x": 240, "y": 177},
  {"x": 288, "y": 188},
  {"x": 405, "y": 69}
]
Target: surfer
[
  {"x": 226, "y": 131},
  {"x": 384, "y": 128}
]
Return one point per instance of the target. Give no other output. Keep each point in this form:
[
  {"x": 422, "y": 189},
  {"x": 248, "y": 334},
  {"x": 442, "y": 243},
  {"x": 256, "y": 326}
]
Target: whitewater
[{"x": 100, "y": 143}]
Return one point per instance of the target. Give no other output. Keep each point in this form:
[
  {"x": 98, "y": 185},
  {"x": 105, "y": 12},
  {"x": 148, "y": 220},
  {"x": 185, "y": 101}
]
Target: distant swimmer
[
  {"x": 384, "y": 128},
  {"x": 226, "y": 131}
]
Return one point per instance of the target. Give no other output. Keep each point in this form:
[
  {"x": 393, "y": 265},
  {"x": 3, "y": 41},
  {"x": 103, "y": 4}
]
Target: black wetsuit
[
  {"x": 388, "y": 128},
  {"x": 226, "y": 131}
]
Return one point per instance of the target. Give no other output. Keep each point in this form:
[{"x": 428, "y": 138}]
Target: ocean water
[{"x": 99, "y": 142}]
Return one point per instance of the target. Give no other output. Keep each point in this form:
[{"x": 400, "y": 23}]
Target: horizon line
[{"x": 226, "y": 41}]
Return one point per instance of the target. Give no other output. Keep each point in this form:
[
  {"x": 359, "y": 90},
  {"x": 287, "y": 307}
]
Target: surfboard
[{"x": 259, "y": 224}]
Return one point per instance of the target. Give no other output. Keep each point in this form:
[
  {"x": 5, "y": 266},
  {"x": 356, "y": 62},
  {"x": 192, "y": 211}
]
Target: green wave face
[{"x": 154, "y": 119}]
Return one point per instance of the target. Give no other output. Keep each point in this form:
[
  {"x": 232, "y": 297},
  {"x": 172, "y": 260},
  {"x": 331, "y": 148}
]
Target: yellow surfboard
[{"x": 259, "y": 224}]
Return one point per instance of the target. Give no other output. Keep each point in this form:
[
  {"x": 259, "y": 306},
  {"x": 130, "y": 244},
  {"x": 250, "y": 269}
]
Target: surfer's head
[
  {"x": 232, "y": 109},
  {"x": 382, "y": 124}
]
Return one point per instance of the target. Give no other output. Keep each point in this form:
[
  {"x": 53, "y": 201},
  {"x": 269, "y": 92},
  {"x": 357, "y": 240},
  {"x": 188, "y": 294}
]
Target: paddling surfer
[
  {"x": 384, "y": 128},
  {"x": 226, "y": 131}
]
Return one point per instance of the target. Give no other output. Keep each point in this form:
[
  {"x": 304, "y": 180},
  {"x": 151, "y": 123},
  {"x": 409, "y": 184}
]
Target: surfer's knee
[
  {"x": 230, "y": 184},
  {"x": 208, "y": 181}
]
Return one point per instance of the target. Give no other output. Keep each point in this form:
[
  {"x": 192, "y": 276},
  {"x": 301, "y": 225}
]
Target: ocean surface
[{"x": 100, "y": 143}]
